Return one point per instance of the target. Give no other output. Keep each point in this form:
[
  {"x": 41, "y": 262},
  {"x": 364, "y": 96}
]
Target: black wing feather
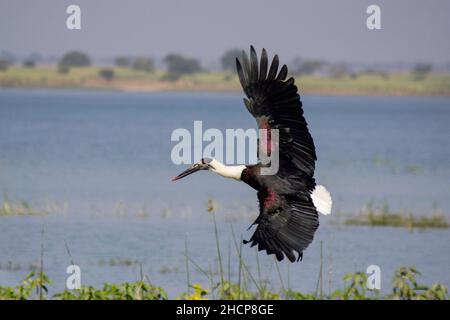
[
  {"x": 254, "y": 65},
  {"x": 282, "y": 75},
  {"x": 273, "y": 69},
  {"x": 263, "y": 66}
]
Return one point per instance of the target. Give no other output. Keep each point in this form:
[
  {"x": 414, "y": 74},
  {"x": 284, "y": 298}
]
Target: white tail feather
[{"x": 322, "y": 200}]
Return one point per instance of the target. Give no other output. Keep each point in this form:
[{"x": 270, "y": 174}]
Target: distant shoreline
[{"x": 128, "y": 80}]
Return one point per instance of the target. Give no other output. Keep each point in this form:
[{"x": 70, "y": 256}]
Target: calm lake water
[{"x": 102, "y": 161}]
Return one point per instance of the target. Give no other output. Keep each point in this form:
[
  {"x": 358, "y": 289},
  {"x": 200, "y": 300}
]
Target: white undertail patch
[{"x": 322, "y": 200}]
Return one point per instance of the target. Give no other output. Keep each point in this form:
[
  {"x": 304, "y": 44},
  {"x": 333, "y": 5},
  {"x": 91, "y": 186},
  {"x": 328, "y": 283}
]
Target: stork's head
[
  {"x": 203, "y": 164},
  {"x": 213, "y": 165}
]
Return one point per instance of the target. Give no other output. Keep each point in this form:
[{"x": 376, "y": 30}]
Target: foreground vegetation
[
  {"x": 129, "y": 79},
  {"x": 404, "y": 287},
  {"x": 250, "y": 283}
]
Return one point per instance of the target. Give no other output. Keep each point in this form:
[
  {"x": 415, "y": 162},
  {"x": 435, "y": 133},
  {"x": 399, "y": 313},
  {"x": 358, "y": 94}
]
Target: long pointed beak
[{"x": 187, "y": 172}]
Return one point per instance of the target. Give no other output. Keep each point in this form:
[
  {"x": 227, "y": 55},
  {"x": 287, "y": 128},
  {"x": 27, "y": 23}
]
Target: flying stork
[{"x": 290, "y": 200}]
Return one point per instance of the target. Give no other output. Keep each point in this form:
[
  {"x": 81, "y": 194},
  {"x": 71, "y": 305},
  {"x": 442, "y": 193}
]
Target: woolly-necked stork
[{"x": 290, "y": 200}]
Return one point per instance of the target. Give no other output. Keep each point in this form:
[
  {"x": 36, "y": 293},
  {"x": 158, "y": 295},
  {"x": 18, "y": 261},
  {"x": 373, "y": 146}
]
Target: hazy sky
[{"x": 412, "y": 30}]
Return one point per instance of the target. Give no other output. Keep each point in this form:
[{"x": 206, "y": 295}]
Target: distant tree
[
  {"x": 302, "y": 66},
  {"x": 338, "y": 70},
  {"x": 106, "y": 73},
  {"x": 421, "y": 70},
  {"x": 4, "y": 64},
  {"x": 63, "y": 69},
  {"x": 36, "y": 57},
  {"x": 228, "y": 60},
  {"x": 178, "y": 64},
  {"x": 75, "y": 59},
  {"x": 122, "y": 61},
  {"x": 29, "y": 63},
  {"x": 143, "y": 64}
]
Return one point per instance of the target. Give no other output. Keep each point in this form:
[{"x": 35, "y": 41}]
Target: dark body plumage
[{"x": 288, "y": 218}]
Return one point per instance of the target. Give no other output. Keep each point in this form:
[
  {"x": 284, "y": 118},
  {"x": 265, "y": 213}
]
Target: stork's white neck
[{"x": 233, "y": 172}]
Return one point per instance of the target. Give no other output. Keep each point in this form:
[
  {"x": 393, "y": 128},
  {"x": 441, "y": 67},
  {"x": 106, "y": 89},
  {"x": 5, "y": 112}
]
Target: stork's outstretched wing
[
  {"x": 275, "y": 103},
  {"x": 288, "y": 218}
]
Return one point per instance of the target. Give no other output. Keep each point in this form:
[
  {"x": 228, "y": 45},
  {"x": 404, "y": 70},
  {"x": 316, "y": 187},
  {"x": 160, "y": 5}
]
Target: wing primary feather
[
  {"x": 253, "y": 65},
  {"x": 263, "y": 65},
  {"x": 246, "y": 66},
  {"x": 283, "y": 73},
  {"x": 241, "y": 74},
  {"x": 273, "y": 68}
]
